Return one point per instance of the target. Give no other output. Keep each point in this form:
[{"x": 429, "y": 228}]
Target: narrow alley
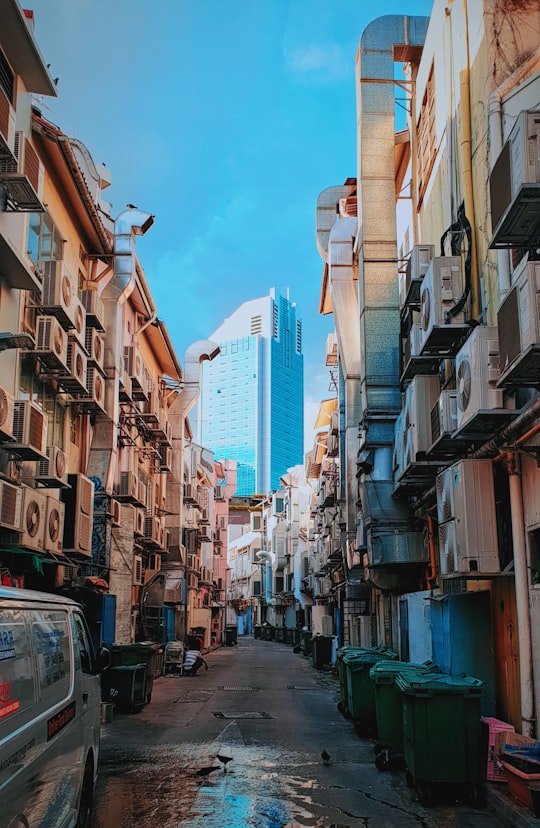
[{"x": 269, "y": 715}]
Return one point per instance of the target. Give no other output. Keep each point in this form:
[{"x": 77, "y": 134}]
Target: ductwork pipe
[{"x": 103, "y": 456}]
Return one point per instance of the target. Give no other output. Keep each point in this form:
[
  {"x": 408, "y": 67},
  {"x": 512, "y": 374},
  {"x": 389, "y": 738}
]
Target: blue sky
[{"x": 226, "y": 119}]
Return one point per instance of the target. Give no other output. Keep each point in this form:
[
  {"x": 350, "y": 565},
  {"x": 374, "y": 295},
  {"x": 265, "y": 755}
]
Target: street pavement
[{"x": 269, "y": 714}]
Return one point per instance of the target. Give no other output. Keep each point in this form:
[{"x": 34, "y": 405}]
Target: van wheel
[{"x": 87, "y": 793}]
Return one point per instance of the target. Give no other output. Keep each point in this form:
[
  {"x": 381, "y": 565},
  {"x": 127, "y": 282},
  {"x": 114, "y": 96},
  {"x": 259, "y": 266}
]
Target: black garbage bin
[
  {"x": 231, "y": 635},
  {"x": 148, "y": 653},
  {"x": 257, "y": 631},
  {"x": 322, "y": 650},
  {"x": 125, "y": 686}
]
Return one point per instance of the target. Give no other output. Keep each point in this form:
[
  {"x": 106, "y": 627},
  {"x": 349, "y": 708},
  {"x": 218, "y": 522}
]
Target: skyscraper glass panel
[{"x": 251, "y": 402}]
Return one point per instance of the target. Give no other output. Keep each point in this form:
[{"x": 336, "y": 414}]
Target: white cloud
[{"x": 319, "y": 62}]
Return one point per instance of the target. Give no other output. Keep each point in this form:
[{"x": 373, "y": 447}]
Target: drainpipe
[
  {"x": 522, "y": 595},
  {"x": 268, "y": 557},
  {"x": 103, "y": 456},
  {"x": 466, "y": 161}
]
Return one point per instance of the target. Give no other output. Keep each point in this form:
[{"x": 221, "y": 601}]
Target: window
[
  {"x": 45, "y": 244},
  {"x": 6, "y": 78},
  {"x": 299, "y": 337},
  {"x": 425, "y": 136},
  {"x": 275, "y": 321}
]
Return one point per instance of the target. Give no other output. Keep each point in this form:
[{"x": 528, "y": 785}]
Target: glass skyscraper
[{"x": 251, "y": 401}]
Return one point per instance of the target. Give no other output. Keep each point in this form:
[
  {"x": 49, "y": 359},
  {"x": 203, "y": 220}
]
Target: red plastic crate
[{"x": 494, "y": 772}]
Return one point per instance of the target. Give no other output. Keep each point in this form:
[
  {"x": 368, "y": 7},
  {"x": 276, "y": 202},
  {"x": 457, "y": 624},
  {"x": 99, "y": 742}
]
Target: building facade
[{"x": 251, "y": 404}]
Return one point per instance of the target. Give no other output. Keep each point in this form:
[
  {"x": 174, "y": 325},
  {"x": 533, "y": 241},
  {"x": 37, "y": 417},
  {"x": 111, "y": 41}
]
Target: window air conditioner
[
  {"x": 514, "y": 186},
  {"x": 518, "y": 321},
  {"x": 116, "y": 512},
  {"x": 441, "y": 289},
  {"x": 443, "y": 423},
  {"x": 465, "y": 493},
  {"x": 95, "y": 390},
  {"x": 140, "y": 517},
  {"x": 127, "y": 490},
  {"x": 7, "y": 408},
  {"x": 79, "y": 319},
  {"x": 22, "y": 177},
  {"x": 154, "y": 562},
  {"x": 164, "y": 458},
  {"x": 53, "y": 471},
  {"x": 51, "y": 343},
  {"x": 218, "y": 493},
  {"x": 54, "y": 525},
  {"x": 29, "y": 431}
]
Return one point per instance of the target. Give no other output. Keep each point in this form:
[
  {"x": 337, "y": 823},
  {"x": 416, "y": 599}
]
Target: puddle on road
[{"x": 143, "y": 788}]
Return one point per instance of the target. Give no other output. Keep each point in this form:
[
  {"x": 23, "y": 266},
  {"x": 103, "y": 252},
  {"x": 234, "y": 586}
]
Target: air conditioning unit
[
  {"x": 204, "y": 518},
  {"x": 190, "y": 495},
  {"x": 75, "y": 380},
  {"x": 441, "y": 289},
  {"x": 53, "y": 471},
  {"x": 51, "y": 343},
  {"x": 137, "y": 571},
  {"x": 116, "y": 512},
  {"x": 58, "y": 294},
  {"x": 219, "y": 493},
  {"x": 139, "y": 522},
  {"x": 79, "y": 514},
  {"x": 515, "y": 196},
  {"x": 477, "y": 371},
  {"x": 34, "y": 509},
  {"x": 398, "y": 452},
  {"x": 94, "y": 399},
  {"x": 95, "y": 309},
  {"x": 420, "y": 397},
  {"x": 168, "y": 434},
  {"x": 466, "y": 498},
  {"x": 29, "y": 431},
  {"x": 154, "y": 562},
  {"x": 54, "y": 526},
  {"x": 136, "y": 371},
  {"x": 11, "y": 501},
  {"x": 411, "y": 279},
  {"x": 154, "y": 531},
  {"x": 95, "y": 346},
  {"x": 22, "y": 177},
  {"x": 142, "y": 493},
  {"x": 443, "y": 416},
  {"x": 127, "y": 490},
  {"x": 79, "y": 318},
  {"x": 7, "y": 408},
  {"x": 164, "y": 458},
  {"x": 193, "y": 562},
  {"x": 7, "y": 128},
  {"x": 518, "y": 321}
]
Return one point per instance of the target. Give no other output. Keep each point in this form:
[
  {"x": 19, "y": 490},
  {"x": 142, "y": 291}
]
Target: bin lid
[
  {"x": 363, "y": 659},
  {"x": 385, "y": 671},
  {"x": 423, "y": 684}
]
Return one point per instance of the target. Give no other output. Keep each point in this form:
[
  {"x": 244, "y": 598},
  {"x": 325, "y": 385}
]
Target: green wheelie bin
[
  {"x": 441, "y": 733},
  {"x": 360, "y": 689},
  {"x": 307, "y": 642},
  {"x": 389, "y": 746},
  {"x": 280, "y": 634},
  {"x": 322, "y": 651}
]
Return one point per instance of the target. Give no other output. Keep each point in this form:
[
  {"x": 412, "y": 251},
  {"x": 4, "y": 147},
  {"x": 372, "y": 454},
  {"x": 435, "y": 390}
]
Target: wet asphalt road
[{"x": 273, "y": 713}]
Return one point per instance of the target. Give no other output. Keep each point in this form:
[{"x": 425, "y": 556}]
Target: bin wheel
[
  {"x": 377, "y": 747},
  {"x": 382, "y": 760},
  {"x": 341, "y": 707},
  {"x": 409, "y": 778},
  {"x": 425, "y": 793},
  {"x": 359, "y": 728}
]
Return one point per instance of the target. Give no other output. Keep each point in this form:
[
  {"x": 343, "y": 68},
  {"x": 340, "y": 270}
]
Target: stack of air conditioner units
[{"x": 467, "y": 520}]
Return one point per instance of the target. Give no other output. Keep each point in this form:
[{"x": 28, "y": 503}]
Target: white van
[{"x": 49, "y": 711}]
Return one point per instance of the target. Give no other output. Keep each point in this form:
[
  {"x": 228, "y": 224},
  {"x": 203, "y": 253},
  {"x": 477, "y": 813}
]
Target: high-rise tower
[{"x": 251, "y": 402}]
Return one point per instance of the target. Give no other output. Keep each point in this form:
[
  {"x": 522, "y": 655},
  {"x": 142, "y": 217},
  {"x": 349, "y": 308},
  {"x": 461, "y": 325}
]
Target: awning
[
  {"x": 324, "y": 416},
  {"x": 245, "y": 541}
]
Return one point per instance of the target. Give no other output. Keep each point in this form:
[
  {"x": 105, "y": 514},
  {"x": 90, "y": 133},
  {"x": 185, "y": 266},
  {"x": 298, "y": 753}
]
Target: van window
[
  {"x": 51, "y": 635},
  {"x": 16, "y": 673},
  {"x": 83, "y": 646}
]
